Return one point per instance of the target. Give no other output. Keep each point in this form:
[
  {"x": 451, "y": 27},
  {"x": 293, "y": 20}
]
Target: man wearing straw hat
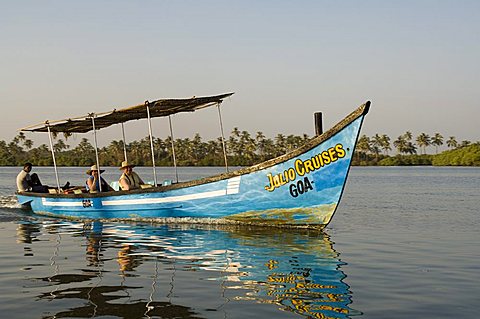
[
  {"x": 93, "y": 181},
  {"x": 129, "y": 179}
]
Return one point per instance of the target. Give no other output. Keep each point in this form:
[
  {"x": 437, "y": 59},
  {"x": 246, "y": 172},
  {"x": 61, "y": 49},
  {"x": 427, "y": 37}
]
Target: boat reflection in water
[{"x": 190, "y": 271}]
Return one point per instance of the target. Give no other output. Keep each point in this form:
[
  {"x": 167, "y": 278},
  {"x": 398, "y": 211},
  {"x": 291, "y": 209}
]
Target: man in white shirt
[
  {"x": 30, "y": 183},
  {"x": 24, "y": 180}
]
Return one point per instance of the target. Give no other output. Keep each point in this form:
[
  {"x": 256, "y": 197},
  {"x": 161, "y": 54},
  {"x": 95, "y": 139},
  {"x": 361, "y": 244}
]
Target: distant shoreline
[
  {"x": 463, "y": 156},
  {"x": 242, "y": 150}
]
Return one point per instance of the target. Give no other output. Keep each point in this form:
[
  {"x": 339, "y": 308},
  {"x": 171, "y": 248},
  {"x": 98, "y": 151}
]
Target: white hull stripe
[
  {"x": 171, "y": 199},
  {"x": 68, "y": 204},
  {"x": 233, "y": 187}
]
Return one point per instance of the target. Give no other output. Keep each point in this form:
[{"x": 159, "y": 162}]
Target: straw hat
[
  {"x": 125, "y": 164},
  {"x": 94, "y": 168}
]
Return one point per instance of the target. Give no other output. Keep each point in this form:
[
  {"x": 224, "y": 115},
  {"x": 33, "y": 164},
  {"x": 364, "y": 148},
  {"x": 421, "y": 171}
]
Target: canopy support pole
[
  {"x": 147, "y": 104},
  {"x": 173, "y": 147},
  {"x": 124, "y": 144},
  {"x": 53, "y": 156},
  {"x": 96, "y": 152},
  {"x": 223, "y": 138}
]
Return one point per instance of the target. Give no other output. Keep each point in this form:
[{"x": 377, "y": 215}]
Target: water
[{"x": 404, "y": 243}]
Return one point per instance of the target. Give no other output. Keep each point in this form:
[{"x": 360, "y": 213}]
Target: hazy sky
[{"x": 417, "y": 61}]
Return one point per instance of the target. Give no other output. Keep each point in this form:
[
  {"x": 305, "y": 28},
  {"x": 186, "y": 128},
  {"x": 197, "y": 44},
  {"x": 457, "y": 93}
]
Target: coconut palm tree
[
  {"x": 236, "y": 133},
  {"x": 21, "y": 137},
  {"x": 25, "y": 141},
  {"x": 410, "y": 148},
  {"x": 269, "y": 149},
  {"x": 452, "y": 142},
  {"x": 260, "y": 141},
  {"x": 84, "y": 153},
  {"x": 386, "y": 143},
  {"x": 60, "y": 146},
  {"x": 292, "y": 142},
  {"x": 6, "y": 157},
  {"x": 247, "y": 143},
  {"x": 280, "y": 144},
  {"x": 115, "y": 151},
  {"x": 233, "y": 143},
  {"x": 198, "y": 148},
  {"x": 423, "y": 140},
  {"x": 28, "y": 144},
  {"x": 363, "y": 146},
  {"x": 400, "y": 144},
  {"x": 408, "y": 136},
  {"x": 42, "y": 156},
  {"x": 437, "y": 140},
  {"x": 377, "y": 144}
]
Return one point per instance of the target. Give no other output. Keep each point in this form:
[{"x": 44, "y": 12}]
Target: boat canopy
[{"x": 159, "y": 108}]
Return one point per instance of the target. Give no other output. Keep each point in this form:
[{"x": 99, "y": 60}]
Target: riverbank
[{"x": 463, "y": 156}]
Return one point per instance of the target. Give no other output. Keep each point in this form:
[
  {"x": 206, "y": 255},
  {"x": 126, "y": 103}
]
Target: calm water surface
[{"x": 404, "y": 243}]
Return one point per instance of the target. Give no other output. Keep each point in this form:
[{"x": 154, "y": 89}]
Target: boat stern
[{"x": 24, "y": 200}]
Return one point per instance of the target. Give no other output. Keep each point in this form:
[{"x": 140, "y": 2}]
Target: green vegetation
[
  {"x": 373, "y": 151},
  {"x": 465, "y": 156},
  {"x": 242, "y": 150}
]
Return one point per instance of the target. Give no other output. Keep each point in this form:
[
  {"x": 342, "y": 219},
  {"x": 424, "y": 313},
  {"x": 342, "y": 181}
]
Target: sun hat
[
  {"x": 94, "y": 168},
  {"x": 125, "y": 164}
]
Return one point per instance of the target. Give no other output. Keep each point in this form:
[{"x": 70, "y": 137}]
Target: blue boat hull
[{"x": 302, "y": 188}]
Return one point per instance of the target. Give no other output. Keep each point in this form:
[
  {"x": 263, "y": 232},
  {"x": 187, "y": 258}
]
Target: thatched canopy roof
[{"x": 157, "y": 108}]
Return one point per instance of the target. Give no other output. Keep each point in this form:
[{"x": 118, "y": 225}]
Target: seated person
[
  {"x": 29, "y": 183},
  {"x": 93, "y": 181},
  {"x": 129, "y": 179}
]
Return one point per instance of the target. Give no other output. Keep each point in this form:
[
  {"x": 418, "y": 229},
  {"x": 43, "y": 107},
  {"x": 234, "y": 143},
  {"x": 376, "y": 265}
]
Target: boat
[{"x": 301, "y": 188}]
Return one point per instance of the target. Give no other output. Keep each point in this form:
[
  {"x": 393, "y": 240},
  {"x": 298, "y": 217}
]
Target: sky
[{"x": 418, "y": 62}]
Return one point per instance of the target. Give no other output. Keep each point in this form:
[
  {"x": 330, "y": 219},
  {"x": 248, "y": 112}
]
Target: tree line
[
  {"x": 413, "y": 151},
  {"x": 242, "y": 148}
]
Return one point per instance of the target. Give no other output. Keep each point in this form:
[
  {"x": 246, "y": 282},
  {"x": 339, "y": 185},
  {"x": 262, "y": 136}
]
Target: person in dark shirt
[{"x": 94, "y": 180}]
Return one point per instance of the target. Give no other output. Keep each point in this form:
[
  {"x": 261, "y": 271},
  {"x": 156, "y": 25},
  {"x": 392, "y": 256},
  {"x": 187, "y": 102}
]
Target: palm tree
[
  {"x": 16, "y": 151},
  {"x": 233, "y": 143},
  {"x": 452, "y": 142},
  {"x": 84, "y": 153},
  {"x": 25, "y": 141},
  {"x": 247, "y": 143},
  {"x": 437, "y": 140},
  {"x": 161, "y": 150},
  {"x": 260, "y": 141},
  {"x": 41, "y": 155},
  {"x": 115, "y": 149},
  {"x": 280, "y": 144},
  {"x": 423, "y": 140},
  {"x": 291, "y": 142},
  {"x": 401, "y": 144},
  {"x": 198, "y": 148},
  {"x": 269, "y": 149},
  {"x": 410, "y": 148},
  {"x": 408, "y": 136},
  {"x": 363, "y": 145},
  {"x": 213, "y": 153},
  {"x": 385, "y": 141},
  {"x": 235, "y": 133},
  {"x": 6, "y": 157},
  {"x": 60, "y": 146},
  {"x": 28, "y": 144},
  {"x": 377, "y": 144},
  {"x": 21, "y": 136}
]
